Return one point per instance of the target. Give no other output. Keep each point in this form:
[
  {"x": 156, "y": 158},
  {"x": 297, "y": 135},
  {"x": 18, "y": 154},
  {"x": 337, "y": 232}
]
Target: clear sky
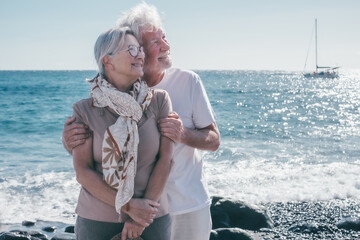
[{"x": 207, "y": 34}]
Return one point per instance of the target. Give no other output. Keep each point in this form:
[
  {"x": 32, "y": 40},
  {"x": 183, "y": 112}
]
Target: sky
[{"x": 204, "y": 35}]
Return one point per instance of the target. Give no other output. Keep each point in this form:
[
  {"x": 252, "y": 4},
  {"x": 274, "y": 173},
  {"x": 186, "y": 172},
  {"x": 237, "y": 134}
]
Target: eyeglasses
[{"x": 134, "y": 50}]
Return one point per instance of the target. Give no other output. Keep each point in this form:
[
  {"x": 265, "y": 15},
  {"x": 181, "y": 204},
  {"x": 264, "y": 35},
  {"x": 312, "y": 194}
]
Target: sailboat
[{"x": 321, "y": 72}]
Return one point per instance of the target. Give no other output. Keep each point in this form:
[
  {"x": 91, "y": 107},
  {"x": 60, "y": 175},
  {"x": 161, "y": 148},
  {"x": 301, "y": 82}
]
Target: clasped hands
[{"x": 142, "y": 213}]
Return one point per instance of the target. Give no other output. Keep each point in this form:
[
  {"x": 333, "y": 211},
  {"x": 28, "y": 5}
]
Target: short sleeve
[
  {"x": 164, "y": 103},
  {"x": 78, "y": 109},
  {"x": 203, "y": 114}
]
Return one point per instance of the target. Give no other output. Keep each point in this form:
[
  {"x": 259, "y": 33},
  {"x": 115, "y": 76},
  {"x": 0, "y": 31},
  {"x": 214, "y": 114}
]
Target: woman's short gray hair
[
  {"x": 109, "y": 43},
  {"x": 141, "y": 18}
]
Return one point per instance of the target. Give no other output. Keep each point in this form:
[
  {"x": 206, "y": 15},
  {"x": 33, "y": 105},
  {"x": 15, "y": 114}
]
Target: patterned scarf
[{"x": 120, "y": 144}]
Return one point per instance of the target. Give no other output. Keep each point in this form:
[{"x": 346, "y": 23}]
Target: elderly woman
[{"x": 123, "y": 167}]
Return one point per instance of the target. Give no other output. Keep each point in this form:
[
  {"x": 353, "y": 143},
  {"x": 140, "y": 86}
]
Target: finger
[
  {"x": 78, "y": 137},
  {"x": 172, "y": 129},
  {"x": 73, "y": 126},
  {"x": 168, "y": 129},
  {"x": 145, "y": 223},
  {"x": 69, "y": 121},
  {"x": 171, "y": 124},
  {"x": 150, "y": 210},
  {"x": 151, "y": 220},
  {"x": 153, "y": 203},
  {"x": 130, "y": 234},
  {"x": 124, "y": 233},
  {"x": 172, "y": 137},
  {"x": 173, "y": 115},
  {"x": 169, "y": 132},
  {"x": 154, "y": 210},
  {"x": 78, "y": 134},
  {"x": 73, "y": 145},
  {"x": 166, "y": 124},
  {"x": 166, "y": 120}
]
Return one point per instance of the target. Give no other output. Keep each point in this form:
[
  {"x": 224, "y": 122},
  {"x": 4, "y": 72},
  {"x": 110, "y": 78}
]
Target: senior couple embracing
[{"x": 135, "y": 141}]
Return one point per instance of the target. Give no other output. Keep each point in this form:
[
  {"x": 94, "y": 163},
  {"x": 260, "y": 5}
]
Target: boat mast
[{"x": 316, "y": 49}]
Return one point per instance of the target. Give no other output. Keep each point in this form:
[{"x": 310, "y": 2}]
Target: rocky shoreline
[{"x": 236, "y": 220}]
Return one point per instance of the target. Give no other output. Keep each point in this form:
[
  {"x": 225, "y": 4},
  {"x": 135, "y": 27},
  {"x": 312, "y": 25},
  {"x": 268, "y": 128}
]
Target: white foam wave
[
  {"x": 259, "y": 181},
  {"x": 53, "y": 196},
  {"x": 48, "y": 196}
]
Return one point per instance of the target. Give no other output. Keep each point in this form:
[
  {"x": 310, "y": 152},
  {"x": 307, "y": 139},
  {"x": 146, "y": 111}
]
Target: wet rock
[
  {"x": 230, "y": 234},
  {"x": 13, "y": 236},
  {"x": 236, "y": 214},
  {"x": 34, "y": 235},
  {"x": 349, "y": 223},
  {"x": 28, "y": 223},
  {"x": 70, "y": 229},
  {"x": 49, "y": 229},
  {"x": 37, "y": 235}
]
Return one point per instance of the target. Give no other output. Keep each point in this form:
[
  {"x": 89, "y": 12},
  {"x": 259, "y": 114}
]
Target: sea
[{"x": 289, "y": 144}]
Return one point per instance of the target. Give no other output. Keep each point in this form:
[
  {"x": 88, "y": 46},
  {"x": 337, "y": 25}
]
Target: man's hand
[
  {"x": 206, "y": 138},
  {"x": 142, "y": 211},
  {"x": 74, "y": 134},
  {"x": 131, "y": 230},
  {"x": 172, "y": 127}
]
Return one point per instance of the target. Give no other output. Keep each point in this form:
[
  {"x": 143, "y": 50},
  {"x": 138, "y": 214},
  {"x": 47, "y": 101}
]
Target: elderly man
[{"x": 192, "y": 126}]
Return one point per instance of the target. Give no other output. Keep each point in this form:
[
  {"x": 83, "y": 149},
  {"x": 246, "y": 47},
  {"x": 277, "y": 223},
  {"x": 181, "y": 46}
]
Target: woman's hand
[
  {"x": 131, "y": 230},
  {"x": 142, "y": 211}
]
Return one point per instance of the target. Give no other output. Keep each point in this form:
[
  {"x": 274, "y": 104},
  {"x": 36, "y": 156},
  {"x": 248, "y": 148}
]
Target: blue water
[{"x": 283, "y": 138}]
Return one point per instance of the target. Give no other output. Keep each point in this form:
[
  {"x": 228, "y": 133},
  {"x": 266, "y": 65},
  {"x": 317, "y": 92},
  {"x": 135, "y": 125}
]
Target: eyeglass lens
[{"x": 134, "y": 51}]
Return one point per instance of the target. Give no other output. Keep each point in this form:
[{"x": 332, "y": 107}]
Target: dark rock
[
  {"x": 38, "y": 235},
  {"x": 70, "y": 229},
  {"x": 349, "y": 223},
  {"x": 14, "y": 236},
  {"x": 28, "y": 223},
  {"x": 229, "y": 214},
  {"x": 20, "y": 232},
  {"x": 229, "y": 234},
  {"x": 49, "y": 229},
  {"x": 220, "y": 219},
  {"x": 34, "y": 235}
]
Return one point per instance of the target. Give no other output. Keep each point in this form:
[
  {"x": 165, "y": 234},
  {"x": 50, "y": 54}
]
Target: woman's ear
[{"x": 106, "y": 60}]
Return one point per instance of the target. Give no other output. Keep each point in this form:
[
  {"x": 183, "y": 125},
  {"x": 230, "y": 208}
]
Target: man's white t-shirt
[{"x": 187, "y": 187}]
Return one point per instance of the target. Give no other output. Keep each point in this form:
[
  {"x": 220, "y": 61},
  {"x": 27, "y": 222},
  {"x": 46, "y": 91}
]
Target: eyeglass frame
[{"x": 138, "y": 50}]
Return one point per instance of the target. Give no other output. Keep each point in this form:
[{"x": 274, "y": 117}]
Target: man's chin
[{"x": 167, "y": 64}]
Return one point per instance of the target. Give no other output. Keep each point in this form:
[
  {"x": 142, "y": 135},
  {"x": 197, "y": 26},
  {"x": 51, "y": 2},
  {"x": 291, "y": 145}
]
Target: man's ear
[{"x": 106, "y": 60}]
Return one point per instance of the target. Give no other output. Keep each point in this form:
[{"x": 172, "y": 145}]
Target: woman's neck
[{"x": 120, "y": 82}]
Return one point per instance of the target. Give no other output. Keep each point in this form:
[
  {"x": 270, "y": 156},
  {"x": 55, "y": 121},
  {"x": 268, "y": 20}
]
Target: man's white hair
[{"x": 141, "y": 18}]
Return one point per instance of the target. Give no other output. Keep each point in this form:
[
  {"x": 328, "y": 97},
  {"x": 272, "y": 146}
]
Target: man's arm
[{"x": 207, "y": 138}]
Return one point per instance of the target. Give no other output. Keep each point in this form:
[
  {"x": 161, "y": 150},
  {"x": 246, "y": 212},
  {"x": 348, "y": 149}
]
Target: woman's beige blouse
[{"x": 98, "y": 119}]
